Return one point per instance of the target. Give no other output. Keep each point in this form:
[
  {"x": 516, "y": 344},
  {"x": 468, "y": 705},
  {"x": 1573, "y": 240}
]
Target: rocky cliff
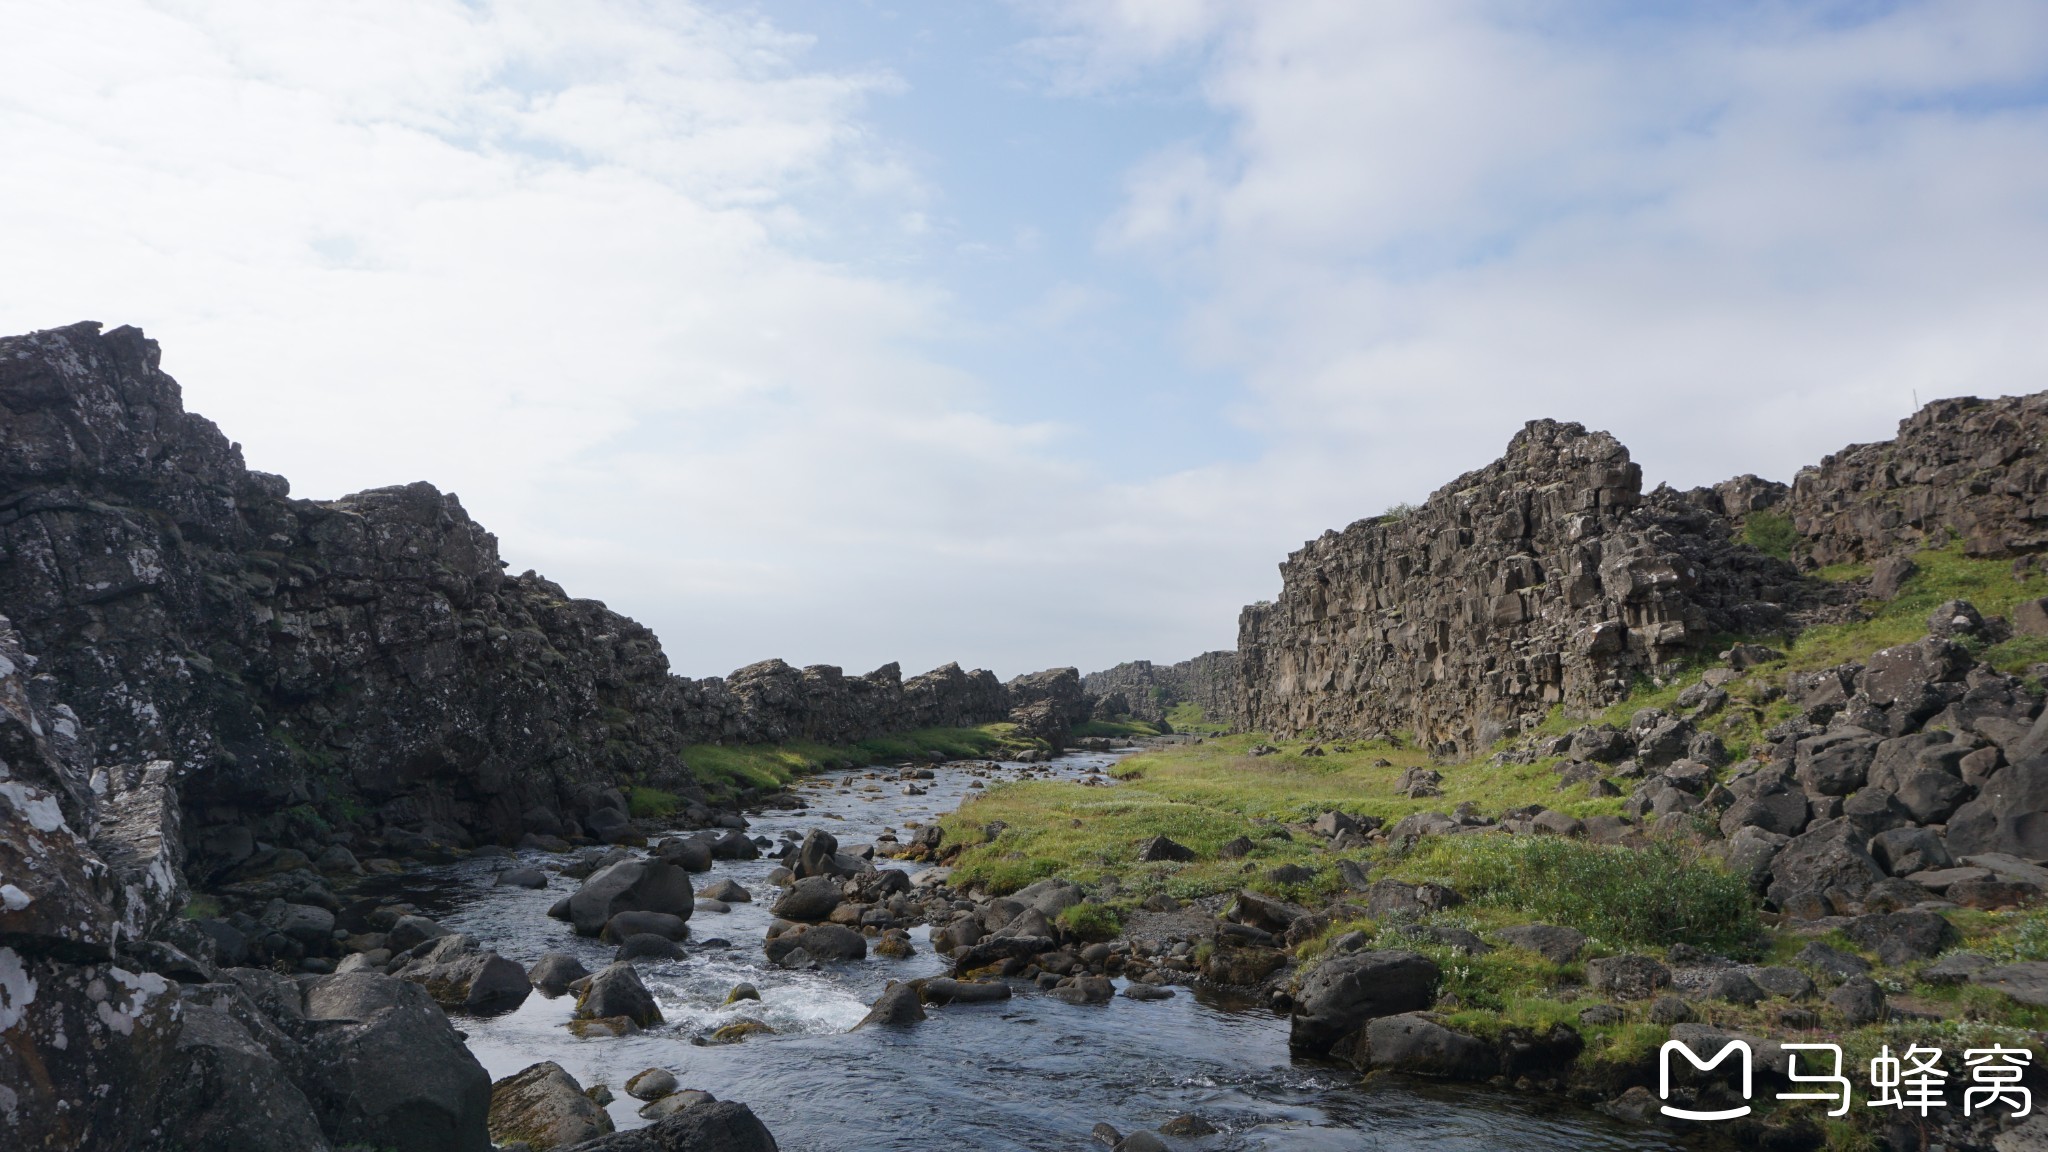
[
  {"x": 1966, "y": 469},
  {"x": 313, "y": 671},
  {"x": 1153, "y": 690},
  {"x": 1547, "y": 577}
]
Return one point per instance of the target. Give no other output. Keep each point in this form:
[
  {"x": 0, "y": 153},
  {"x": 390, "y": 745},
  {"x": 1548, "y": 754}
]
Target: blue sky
[{"x": 1029, "y": 333}]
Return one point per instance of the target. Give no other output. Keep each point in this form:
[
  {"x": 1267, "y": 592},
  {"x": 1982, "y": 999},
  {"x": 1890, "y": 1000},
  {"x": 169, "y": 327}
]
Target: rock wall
[
  {"x": 1966, "y": 469},
  {"x": 1153, "y": 690},
  {"x": 316, "y": 669},
  {"x": 1546, "y": 577}
]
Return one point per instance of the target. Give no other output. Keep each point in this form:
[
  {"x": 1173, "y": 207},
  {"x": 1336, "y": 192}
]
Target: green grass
[
  {"x": 1188, "y": 716},
  {"x": 1770, "y": 533},
  {"x": 652, "y": 803},
  {"x": 1091, "y": 921},
  {"x": 1944, "y": 575},
  {"x": 1116, "y": 728},
  {"x": 728, "y": 767},
  {"x": 1620, "y": 897},
  {"x": 1202, "y": 795}
]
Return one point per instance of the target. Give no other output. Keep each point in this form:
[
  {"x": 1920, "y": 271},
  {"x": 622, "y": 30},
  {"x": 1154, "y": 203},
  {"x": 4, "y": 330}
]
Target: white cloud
[
  {"x": 561, "y": 259},
  {"x": 1739, "y": 242}
]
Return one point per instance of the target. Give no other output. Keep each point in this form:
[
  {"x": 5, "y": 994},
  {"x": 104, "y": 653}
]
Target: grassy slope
[{"x": 1203, "y": 795}]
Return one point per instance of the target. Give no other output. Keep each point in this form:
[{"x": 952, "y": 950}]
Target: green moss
[
  {"x": 652, "y": 803},
  {"x": 1115, "y": 728},
  {"x": 1770, "y": 533},
  {"x": 728, "y": 767},
  {"x": 1944, "y": 575},
  {"x": 202, "y": 906},
  {"x": 1091, "y": 921}
]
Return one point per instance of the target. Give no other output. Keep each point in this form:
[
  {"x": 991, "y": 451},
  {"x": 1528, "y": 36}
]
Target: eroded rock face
[
  {"x": 1546, "y": 577},
  {"x": 1151, "y": 690},
  {"x": 1963, "y": 468}
]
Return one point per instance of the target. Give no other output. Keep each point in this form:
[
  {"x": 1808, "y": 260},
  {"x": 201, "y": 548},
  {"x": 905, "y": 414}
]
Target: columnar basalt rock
[
  {"x": 1546, "y": 577},
  {"x": 1963, "y": 469}
]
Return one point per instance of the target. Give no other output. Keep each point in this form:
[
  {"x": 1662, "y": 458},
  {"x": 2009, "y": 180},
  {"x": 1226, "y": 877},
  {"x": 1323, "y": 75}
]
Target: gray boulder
[
  {"x": 1902, "y": 937},
  {"x": 1344, "y": 992},
  {"x": 393, "y": 1072},
  {"x": 1415, "y": 1044},
  {"x": 824, "y": 942},
  {"x": 1904, "y": 851},
  {"x": 2026, "y": 982},
  {"x": 1859, "y": 1000},
  {"x": 617, "y": 991},
  {"x": 555, "y": 971},
  {"x": 663, "y": 924},
  {"x": 1835, "y": 763},
  {"x": 1555, "y": 944},
  {"x": 630, "y": 886},
  {"x": 899, "y": 1004},
  {"x": 718, "y": 1126},
  {"x": 1827, "y": 858},
  {"x": 2009, "y": 816},
  {"x": 543, "y": 1106},
  {"x": 1627, "y": 977},
  {"x": 810, "y": 899}
]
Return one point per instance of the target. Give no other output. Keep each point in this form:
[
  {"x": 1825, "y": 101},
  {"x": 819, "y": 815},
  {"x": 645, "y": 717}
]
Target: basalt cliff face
[
  {"x": 313, "y": 671},
  {"x": 1150, "y": 691},
  {"x": 1965, "y": 469},
  {"x": 1545, "y": 577},
  {"x": 1549, "y": 577}
]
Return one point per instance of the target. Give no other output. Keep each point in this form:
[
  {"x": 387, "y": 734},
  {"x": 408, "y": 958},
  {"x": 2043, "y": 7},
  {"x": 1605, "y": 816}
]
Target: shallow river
[{"x": 1029, "y": 1073}]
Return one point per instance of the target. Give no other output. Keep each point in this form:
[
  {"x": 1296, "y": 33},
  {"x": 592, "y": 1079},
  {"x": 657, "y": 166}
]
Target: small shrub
[
  {"x": 652, "y": 803},
  {"x": 1770, "y": 533},
  {"x": 1091, "y": 921},
  {"x": 1396, "y": 513}
]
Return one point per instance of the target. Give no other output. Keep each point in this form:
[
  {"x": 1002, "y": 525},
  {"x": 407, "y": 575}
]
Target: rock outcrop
[
  {"x": 1962, "y": 469},
  {"x": 1151, "y": 690},
  {"x": 1546, "y": 577}
]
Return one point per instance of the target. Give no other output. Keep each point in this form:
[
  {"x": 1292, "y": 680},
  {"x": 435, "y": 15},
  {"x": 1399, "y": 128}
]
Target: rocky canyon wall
[
  {"x": 1153, "y": 690},
  {"x": 308, "y": 666},
  {"x": 1547, "y": 577}
]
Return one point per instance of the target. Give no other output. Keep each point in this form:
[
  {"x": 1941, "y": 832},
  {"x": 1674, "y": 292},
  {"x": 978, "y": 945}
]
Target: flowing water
[{"x": 1028, "y": 1073}]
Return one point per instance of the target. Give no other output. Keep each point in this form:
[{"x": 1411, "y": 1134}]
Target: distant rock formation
[
  {"x": 316, "y": 669},
  {"x": 1150, "y": 690},
  {"x": 1965, "y": 469},
  {"x": 1546, "y": 577}
]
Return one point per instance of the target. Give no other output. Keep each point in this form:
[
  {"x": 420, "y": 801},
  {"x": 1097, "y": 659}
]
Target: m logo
[{"x": 1739, "y": 1047}]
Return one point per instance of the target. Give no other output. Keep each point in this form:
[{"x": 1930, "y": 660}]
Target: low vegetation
[{"x": 725, "y": 768}]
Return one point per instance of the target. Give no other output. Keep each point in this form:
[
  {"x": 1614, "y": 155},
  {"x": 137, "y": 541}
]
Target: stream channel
[{"x": 1031, "y": 1072}]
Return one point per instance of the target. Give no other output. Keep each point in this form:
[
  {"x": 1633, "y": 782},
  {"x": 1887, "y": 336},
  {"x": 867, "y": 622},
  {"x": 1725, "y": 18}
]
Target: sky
[{"x": 1027, "y": 333}]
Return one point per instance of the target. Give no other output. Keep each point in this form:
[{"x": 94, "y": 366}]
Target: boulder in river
[
  {"x": 898, "y": 1004},
  {"x": 555, "y": 971},
  {"x": 824, "y": 942},
  {"x": 651, "y": 1084},
  {"x": 468, "y": 978},
  {"x": 648, "y": 946},
  {"x": 617, "y": 991},
  {"x": 543, "y": 1106},
  {"x": 809, "y": 899},
  {"x": 1344, "y": 992},
  {"x": 394, "y": 1072},
  {"x": 630, "y": 886},
  {"x": 719, "y": 1126},
  {"x": 662, "y": 924},
  {"x": 728, "y": 891}
]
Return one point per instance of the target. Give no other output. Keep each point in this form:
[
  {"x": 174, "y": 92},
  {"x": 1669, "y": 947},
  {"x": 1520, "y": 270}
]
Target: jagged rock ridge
[
  {"x": 305, "y": 666},
  {"x": 1544, "y": 578}
]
